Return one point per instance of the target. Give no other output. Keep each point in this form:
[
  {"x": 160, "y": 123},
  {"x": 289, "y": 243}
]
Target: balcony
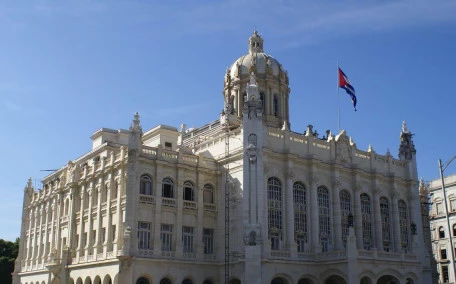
[
  {"x": 148, "y": 199},
  {"x": 171, "y": 202}
]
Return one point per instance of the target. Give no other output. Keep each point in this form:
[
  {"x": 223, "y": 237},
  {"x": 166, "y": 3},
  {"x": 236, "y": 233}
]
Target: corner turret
[{"x": 406, "y": 148}]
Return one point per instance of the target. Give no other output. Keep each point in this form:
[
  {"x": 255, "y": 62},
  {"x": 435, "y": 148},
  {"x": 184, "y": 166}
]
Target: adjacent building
[
  {"x": 243, "y": 199},
  {"x": 443, "y": 226}
]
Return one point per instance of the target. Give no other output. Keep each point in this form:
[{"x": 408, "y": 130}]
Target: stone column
[
  {"x": 289, "y": 223},
  {"x": 120, "y": 227},
  {"x": 80, "y": 248},
  {"x": 358, "y": 219},
  {"x": 107, "y": 244},
  {"x": 97, "y": 244},
  {"x": 179, "y": 193},
  {"x": 158, "y": 220},
  {"x": 40, "y": 237},
  {"x": 314, "y": 215},
  {"x": 396, "y": 227},
  {"x": 377, "y": 220},
  {"x": 46, "y": 236},
  {"x": 199, "y": 249},
  {"x": 53, "y": 222},
  {"x": 88, "y": 245},
  {"x": 73, "y": 225},
  {"x": 29, "y": 240},
  {"x": 35, "y": 235},
  {"x": 337, "y": 215},
  {"x": 58, "y": 230}
]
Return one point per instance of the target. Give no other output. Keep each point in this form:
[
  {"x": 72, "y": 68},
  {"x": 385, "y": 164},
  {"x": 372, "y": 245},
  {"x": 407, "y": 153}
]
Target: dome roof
[{"x": 256, "y": 60}]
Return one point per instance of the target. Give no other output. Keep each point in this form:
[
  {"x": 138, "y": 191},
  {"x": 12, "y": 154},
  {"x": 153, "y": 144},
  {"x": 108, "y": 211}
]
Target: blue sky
[{"x": 71, "y": 67}]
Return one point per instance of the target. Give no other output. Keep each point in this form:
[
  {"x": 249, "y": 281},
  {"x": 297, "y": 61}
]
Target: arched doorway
[
  {"x": 305, "y": 281},
  {"x": 166, "y": 281},
  {"x": 88, "y": 280},
  {"x": 97, "y": 280},
  {"x": 409, "y": 281},
  {"x": 279, "y": 280},
  {"x": 107, "y": 280},
  {"x": 335, "y": 279},
  {"x": 143, "y": 280},
  {"x": 79, "y": 281},
  {"x": 388, "y": 279},
  {"x": 365, "y": 280},
  {"x": 187, "y": 281}
]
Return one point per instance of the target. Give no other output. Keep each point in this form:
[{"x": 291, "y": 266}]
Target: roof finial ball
[{"x": 255, "y": 43}]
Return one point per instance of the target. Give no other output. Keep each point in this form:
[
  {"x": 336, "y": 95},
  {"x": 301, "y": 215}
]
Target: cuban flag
[{"x": 344, "y": 83}]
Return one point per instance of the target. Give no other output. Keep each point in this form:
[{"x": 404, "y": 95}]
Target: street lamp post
[{"x": 442, "y": 168}]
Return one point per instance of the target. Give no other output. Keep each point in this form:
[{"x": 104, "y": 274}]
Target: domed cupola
[{"x": 272, "y": 82}]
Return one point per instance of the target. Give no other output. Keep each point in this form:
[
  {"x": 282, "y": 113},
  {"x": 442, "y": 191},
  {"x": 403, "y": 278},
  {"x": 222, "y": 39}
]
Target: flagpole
[{"x": 338, "y": 99}]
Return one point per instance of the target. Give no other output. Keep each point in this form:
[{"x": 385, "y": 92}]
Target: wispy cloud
[
  {"x": 297, "y": 22},
  {"x": 12, "y": 106}
]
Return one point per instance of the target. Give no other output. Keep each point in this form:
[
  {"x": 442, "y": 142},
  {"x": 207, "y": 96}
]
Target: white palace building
[{"x": 242, "y": 199}]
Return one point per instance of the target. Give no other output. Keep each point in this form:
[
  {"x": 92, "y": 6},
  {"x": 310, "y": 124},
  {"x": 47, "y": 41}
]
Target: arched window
[
  {"x": 366, "y": 217},
  {"x": 142, "y": 280},
  {"x": 323, "y": 217},
  {"x": 189, "y": 191},
  {"x": 187, "y": 281},
  {"x": 167, "y": 188},
  {"x": 403, "y": 223},
  {"x": 300, "y": 214},
  {"x": 145, "y": 185},
  {"x": 275, "y": 212},
  {"x": 208, "y": 194},
  {"x": 263, "y": 101},
  {"x": 276, "y": 106},
  {"x": 454, "y": 230},
  {"x": 441, "y": 233},
  {"x": 386, "y": 224},
  {"x": 345, "y": 210}
]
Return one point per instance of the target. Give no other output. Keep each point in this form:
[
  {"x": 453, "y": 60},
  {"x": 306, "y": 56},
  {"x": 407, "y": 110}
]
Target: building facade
[
  {"x": 444, "y": 235},
  {"x": 242, "y": 199}
]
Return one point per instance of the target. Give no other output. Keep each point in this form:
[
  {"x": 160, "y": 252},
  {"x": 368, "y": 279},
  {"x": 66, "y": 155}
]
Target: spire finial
[
  {"x": 135, "y": 125},
  {"x": 404, "y": 127}
]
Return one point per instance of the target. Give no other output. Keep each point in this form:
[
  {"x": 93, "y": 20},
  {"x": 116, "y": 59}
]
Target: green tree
[{"x": 8, "y": 254}]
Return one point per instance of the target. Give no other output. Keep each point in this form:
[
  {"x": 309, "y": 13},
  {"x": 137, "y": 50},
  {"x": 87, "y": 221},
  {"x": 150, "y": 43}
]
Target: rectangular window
[
  {"x": 103, "y": 235},
  {"x": 452, "y": 205},
  {"x": 443, "y": 254},
  {"x": 77, "y": 240},
  {"x": 144, "y": 235},
  {"x": 166, "y": 237},
  {"x": 445, "y": 276},
  {"x": 275, "y": 241},
  {"x": 84, "y": 240},
  {"x": 187, "y": 239},
  {"x": 438, "y": 208},
  {"x": 94, "y": 236},
  {"x": 208, "y": 240},
  {"x": 113, "y": 237},
  {"x": 301, "y": 240}
]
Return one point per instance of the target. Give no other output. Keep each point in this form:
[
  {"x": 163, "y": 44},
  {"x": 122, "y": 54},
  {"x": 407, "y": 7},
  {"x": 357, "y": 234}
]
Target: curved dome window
[
  {"x": 276, "y": 106},
  {"x": 263, "y": 101}
]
